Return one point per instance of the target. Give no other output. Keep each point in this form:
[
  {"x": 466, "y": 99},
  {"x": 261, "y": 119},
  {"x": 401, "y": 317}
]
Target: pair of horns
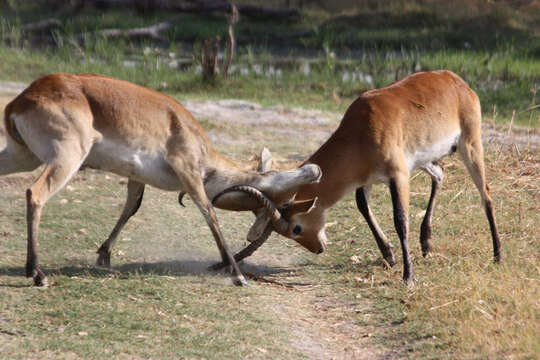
[{"x": 279, "y": 223}]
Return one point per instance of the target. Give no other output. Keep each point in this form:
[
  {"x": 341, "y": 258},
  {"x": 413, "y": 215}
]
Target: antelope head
[{"x": 302, "y": 221}]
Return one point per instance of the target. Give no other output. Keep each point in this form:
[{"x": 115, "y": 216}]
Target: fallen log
[
  {"x": 43, "y": 26},
  {"x": 151, "y": 32}
]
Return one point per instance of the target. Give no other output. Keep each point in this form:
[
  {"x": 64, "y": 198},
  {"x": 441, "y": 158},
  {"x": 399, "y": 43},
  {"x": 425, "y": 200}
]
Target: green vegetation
[
  {"x": 494, "y": 47},
  {"x": 152, "y": 305}
]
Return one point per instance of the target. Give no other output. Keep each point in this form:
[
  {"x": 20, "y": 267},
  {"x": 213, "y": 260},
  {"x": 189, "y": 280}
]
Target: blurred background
[{"x": 325, "y": 52}]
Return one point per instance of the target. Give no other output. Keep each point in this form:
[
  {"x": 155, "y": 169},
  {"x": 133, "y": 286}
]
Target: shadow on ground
[{"x": 176, "y": 268}]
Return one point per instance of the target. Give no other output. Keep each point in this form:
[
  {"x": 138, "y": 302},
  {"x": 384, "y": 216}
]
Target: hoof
[
  {"x": 410, "y": 281},
  {"x": 427, "y": 253},
  {"x": 497, "y": 259},
  {"x": 40, "y": 279},
  {"x": 104, "y": 259},
  {"x": 239, "y": 281},
  {"x": 390, "y": 260}
]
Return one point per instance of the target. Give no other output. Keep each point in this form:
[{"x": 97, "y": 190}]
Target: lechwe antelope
[
  {"x": 68, "y": 121},
  {"x": 385, "y": 135}
]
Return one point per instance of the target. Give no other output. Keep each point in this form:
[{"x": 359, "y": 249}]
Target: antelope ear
[
  {"x": 257, "y": 229},
  {"x": 265, "y": 161},
  {"x": 302, "y": 206}
]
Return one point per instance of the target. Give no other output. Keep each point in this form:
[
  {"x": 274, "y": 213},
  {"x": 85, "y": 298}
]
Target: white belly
[
  {"x": 138, "y": 164},
  {"x": 434, "y": 152}
]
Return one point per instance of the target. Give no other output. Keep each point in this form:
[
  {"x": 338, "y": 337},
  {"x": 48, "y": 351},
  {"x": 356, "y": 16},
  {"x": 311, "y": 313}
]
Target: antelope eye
[{"x": 297, "y": 230}]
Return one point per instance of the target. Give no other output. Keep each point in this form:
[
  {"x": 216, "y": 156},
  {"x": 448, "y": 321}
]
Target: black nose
[{"x": 320, "y": 251}]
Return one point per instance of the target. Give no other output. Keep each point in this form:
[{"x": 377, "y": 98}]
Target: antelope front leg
[
  {"x": 362, "y": 202},
  {"x": 189, "y": 175},
  {"x": 209, "y": 214}
]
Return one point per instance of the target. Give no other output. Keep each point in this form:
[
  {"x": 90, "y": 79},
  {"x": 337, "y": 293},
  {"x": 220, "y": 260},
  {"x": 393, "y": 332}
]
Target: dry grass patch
[{"x": 464, "y": 305}]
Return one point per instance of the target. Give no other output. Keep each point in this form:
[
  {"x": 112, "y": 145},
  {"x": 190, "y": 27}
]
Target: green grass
[
  {"x": 323, "y": 88},
  {"x": 158, "y": 302},
  {"x": 433, "y": 29},
  {"x": 146, "y": 316}
]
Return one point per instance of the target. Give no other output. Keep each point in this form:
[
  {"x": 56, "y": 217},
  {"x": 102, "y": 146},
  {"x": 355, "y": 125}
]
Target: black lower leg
[
  {"x": 425, "y": 229},
  {"x": 138, "y": 204},
  {"x": 247, "y": 251},
  {"x": 400, "y": 222},
  {"x": 494, "y": 233},
  {"x": 131, "y": 208},
  {"x": 384, "y": 246}
]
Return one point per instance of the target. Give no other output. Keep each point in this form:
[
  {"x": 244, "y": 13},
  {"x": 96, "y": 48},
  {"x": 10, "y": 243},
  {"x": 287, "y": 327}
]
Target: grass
[
  {"x": 144, "y": 316},
  {"x": 324, "y": 88},
  {"x": 463, "y": 306},
  {"x": 159, "y": 302}
]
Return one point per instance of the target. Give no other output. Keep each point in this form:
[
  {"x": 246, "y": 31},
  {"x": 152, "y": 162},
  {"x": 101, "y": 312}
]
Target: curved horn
[{"x": 280, "y": 224}]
